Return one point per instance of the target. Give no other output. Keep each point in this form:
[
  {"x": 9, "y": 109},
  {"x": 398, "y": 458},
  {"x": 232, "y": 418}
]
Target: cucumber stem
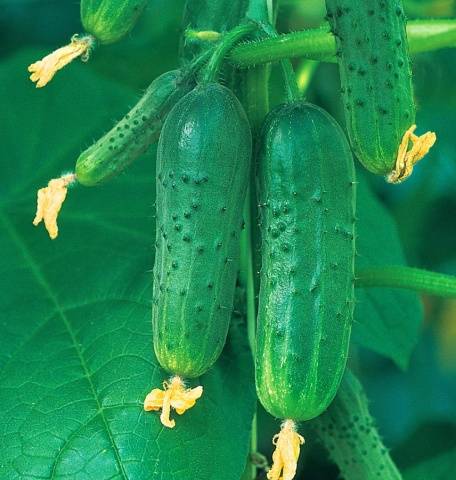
[
  {"x": 291, "y": 85},
  {"x": 424, "y": 35},
  {"x": 227, "y": 42},
  {"x": 396, "y": 276},
  {"x": 348, "y": 432}
]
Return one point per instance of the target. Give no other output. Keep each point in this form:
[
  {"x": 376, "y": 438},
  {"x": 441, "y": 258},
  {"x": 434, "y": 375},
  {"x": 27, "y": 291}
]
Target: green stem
[
  {"x": 227, "y": 42},
  {"x": 431, "y": 283},
  {"x": 348, "y": 432},
  {"x": 319, "y": 43},
  {"x": 291, "y": 85}
]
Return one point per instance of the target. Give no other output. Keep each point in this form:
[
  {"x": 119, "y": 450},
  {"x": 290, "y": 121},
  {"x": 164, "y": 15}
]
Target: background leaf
[
  {"x": 387, "y": 320},
  {"x": 76, "y": 357}
]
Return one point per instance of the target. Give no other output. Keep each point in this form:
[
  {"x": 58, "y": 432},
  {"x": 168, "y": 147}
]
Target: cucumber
[
  {"x": 203, "y": 164},
  {"x": 110, "y": 20},
  {"x": 376, "y": 81},
  {"x": 349, "y": 433},
  {"x": 306, "y": 185},
  {"x": 131, "y": 137}
]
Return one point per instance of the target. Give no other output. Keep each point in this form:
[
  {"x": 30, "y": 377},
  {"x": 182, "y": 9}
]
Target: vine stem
[
  {"x": 319, "y": 44},
  {"x": 396, "y": 276},
  {"x": 210, "y": 71}
]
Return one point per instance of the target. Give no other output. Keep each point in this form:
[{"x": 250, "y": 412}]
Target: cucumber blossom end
[
  {"x": 50, "y": 200},
  {"x": 43, "y": 71},
  {"x": 407, "y": 159},
  {"x": 174, "y": 395},
  {"x": 287, "y": 448}
]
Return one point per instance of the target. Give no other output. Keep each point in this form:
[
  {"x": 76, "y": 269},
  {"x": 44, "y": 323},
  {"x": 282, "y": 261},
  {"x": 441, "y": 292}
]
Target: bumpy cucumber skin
[
  {"x": 348, "y": 432},
  {"x": 375, "y": 76},
  {"x": 110, "y": 20},
  {"x": 307, "y": 198},
  {"x": 131, "y": 137},
  {"x": 220, "y": 16},
  {"x": 203, "y": 163}
]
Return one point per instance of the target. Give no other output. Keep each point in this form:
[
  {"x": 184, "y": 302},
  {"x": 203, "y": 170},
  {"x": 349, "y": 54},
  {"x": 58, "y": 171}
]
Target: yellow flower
[
  {"x": 175, "y": 395},
  {"x": 49, "y": 202},
  {"x": 286, "y": 453},
  {"x": 43, "y": 70},
  {"x": 406, "y": 159}
]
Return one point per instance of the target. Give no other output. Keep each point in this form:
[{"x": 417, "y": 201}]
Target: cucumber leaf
[
  {"x": 76, "y": 357},
  {"x": 387, "y": 320}
]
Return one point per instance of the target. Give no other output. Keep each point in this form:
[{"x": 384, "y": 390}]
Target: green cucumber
[
  {"x": 375, "y": 76},
  {"x": 203, "y": 164},
  {"x": 349, "y": 433},
  {"x": 132, "y": 135},
  {"x": 110, "y": 20},
  {"x": 306, "y": 185}
]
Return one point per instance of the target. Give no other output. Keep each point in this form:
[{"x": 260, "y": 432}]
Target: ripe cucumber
[
  {"x": 376, "y": 77},
  {"x": 306, "y": 184},
  {"x": 131, "y": 137},
  {"x": 203, "y": 164},
  {"x": 110, "y": 20}
]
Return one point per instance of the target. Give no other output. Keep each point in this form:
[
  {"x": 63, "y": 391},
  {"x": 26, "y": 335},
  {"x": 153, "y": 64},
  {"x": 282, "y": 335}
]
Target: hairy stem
[
  {"x": 319, "y": 43},
  {"x": 348, "y": 432},
  {"x": 395, "y": 276},
  {"x": 227, "y": 42}
]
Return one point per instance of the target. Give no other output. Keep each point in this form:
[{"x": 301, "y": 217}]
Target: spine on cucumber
[
  {"x": 131, "y": 137},
  {"x": 307, "y": 198},
  {"x": 376, "y": 77},
  {"x": 110, "y": 20},
  {"x": 203, "y": 163}
]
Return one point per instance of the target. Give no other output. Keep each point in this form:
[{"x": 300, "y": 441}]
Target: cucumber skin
[
  {"x": 376, "y": 77},
  {"x": 132, "y": 136},
  {"x": 110, "y": 20},
  {"x": 203, "y": 164},
  {"x": 307, "y": 194}
]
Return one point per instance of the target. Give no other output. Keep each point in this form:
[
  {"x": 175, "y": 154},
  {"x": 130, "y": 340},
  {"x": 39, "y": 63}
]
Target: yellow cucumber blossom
[
  {"x": 406, "y": 159},
  {"x": 285, "y": 457},
  {"x": 44, "y": 70},
  {"x": 175, "y": 395},
  {"x": 49, "y": 202}
]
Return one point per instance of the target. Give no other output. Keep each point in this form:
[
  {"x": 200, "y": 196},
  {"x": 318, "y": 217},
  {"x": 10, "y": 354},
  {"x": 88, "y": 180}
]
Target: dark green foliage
[
  {"x": 307, "y": 200},
  {"x": 219, "y": 16},
  {"x": 132, "y": 136},
  {"x": 203, "y": 164},
  {"x": 375, "y": 77},
  {"x": 110, "y": 20}
]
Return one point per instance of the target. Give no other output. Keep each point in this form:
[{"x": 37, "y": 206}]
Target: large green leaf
[
  {"x": 440, "y": 467},
  {"x": 76, "y": 355},
  {"x": 386, "y": 320}
]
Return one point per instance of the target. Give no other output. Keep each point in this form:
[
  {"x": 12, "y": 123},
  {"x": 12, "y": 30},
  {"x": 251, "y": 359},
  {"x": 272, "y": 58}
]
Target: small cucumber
[
  {"x": 349, "y": 433},
  {"x": 203, "y": 164},
  {"x": 110, "y": 20},
  {"x": 306, "y": 184},
  {"x": 376, "y": 81},
  {"x": 131, "y": 137}
]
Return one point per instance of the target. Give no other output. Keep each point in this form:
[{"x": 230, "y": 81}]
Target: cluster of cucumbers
[{"x": 306, "y": 189}]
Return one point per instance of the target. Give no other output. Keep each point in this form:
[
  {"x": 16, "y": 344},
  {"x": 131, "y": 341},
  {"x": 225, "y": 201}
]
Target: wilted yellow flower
[
  {"x": 285, "y": 457},
  {"x": 406, "y": 159},
  {"x": 49, "y": 202},
  {"x": 175, "y": 395},
  {"x": 43, "y": 70}
]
